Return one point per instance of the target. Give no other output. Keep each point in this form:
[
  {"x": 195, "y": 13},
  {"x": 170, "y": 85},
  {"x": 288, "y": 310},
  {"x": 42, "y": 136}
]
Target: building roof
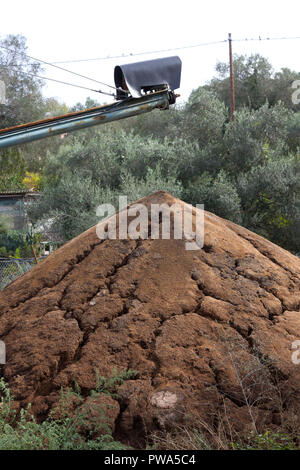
[{"x": 19, "y": 193}]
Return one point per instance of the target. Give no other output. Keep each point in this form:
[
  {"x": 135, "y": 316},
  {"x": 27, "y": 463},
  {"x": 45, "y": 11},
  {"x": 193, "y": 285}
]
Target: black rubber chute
[{"x": 148, "y": 75}]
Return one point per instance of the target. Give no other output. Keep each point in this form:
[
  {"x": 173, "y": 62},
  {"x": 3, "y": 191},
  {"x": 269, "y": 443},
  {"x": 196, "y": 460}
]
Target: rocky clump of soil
[{"x": 210, "y": 331}]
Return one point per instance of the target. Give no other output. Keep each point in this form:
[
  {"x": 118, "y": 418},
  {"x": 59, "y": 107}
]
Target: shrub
[{"x": 69, "y": 431}]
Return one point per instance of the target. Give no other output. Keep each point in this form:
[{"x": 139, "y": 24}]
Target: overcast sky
[{"x": 70, "y": 30}]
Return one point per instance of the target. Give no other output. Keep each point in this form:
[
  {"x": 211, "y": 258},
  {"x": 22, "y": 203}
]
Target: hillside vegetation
[{"x": 246, "y": 171}]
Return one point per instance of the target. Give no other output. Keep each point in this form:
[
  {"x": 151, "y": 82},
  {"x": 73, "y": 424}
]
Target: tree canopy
[
  {"x": 255, "y": 83},
  {"x": 246, "y": 170}
]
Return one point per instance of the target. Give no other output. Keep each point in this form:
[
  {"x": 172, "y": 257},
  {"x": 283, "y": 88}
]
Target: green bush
[
  {"x": 71, "y": 431},
  {"x": 18, "y": 244},
  {"x": 218, "y": 195},
  {"x": 268, "y": 441}
]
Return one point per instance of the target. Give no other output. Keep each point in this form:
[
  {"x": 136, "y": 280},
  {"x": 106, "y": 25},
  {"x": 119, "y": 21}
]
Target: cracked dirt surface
[{"x": 194, "y": 324}]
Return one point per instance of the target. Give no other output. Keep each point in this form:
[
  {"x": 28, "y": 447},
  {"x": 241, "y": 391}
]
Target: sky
[{"x": 67, "y": 30}]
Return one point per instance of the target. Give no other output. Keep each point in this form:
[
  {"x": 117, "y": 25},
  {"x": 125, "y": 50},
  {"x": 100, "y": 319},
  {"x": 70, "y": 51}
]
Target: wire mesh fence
[{"x": 11, "y": 268}]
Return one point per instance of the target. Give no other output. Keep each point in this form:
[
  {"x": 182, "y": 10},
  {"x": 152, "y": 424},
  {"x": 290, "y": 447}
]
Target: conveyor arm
[{"x": 82, "y": 119}]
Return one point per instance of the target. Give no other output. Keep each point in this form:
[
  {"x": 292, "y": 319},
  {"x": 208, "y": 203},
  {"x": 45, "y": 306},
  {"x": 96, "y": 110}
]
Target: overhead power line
[
  {"x": 140, "y": 53},
  {"x": 63, "y": 83},
  {"x": 60, "y": 68},
  {"x": 53, "y": 64},
  {"x": 266, "y": 39},
  {"x": 120, "y": 56}
]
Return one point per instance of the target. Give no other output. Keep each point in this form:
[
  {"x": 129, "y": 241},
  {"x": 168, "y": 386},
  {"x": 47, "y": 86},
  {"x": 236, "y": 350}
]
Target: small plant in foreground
[
  {"x": 65, "y": 428},
  {"x": 109, "y": 386},
  {"x": 268, "y": 441},
  {"x": 206, "y": 438}
]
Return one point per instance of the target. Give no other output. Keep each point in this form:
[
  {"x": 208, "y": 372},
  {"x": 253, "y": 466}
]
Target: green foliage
[
  {"x": 5, "y": 224},
  {"x": 70, "y": 205},
  {"x": 268, "y": 441},
  {"x": 89, "y": 103},
  {"x": 218, "y": 195},
  {"x": 294, "y": 132},
  {"x": 12, "y": 169},
  {"x": 110, "y": 385},
  {"x": 281, "y": 89},
  {"x": 207, "y": 438},
  {"x": 255, "y": 83},
  {"x": 203, "y": 118},
  {"x": 157, "y": 124},
  {"x": 95, "y": 170},
  {"x": 136, "y": 188},
  {"x": 79, "y": 430},
  {"x": 245, "y": 170},
  {"x": 24, "y": 100},
  {"x": 253, "y": 134},
  {"x": 24, "y": 103},
  {"x": 101, "y": 155},
  {"x": 18, "y": 244},
  {"x": 235, "y": 168},
  {"x": 270, "y": 195}
]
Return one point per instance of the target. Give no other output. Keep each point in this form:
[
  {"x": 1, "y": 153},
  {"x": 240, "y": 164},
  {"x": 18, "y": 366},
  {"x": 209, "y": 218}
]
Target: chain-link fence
[{"x": 11, "y": 268}]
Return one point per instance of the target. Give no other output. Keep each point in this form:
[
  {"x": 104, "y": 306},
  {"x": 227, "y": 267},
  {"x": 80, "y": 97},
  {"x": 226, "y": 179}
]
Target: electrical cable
[
  {"x": 64, "y": 83},
  {"x": 140, "y": 53},
  {"x": 53, "y": 64},
  {"x": 60, "y": 68},
  {"x": 266, "y": 39},
  {"x": 172, "y": 49}
]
